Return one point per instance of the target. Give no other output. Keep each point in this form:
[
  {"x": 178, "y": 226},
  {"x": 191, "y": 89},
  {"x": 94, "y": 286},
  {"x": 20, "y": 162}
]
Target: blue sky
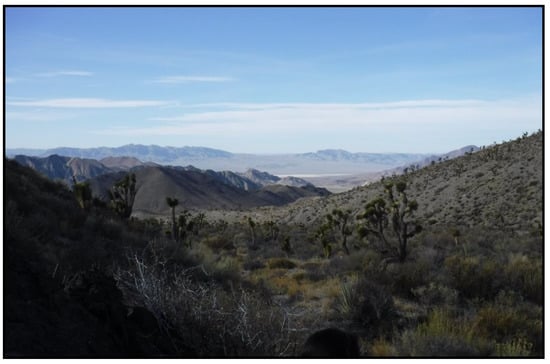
[{"x": 272, "y": 80}]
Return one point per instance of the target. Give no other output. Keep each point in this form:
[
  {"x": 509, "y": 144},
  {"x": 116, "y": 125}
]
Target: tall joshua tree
[
  {"x": 339, "y": 221},
  {"x": 123, "y": 194},
  {"x": 323, "y": 233},
  {"x": 173, "y": 202},
  {"x": 336, "y": 227},
  {"x": 252, "y": 226},
  {"x": 392, "y": 215},
  {"x": 82, "y": 193}
]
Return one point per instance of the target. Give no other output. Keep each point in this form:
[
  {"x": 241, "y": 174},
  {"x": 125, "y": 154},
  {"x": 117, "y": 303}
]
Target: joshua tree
[
  {"x": 339, "y": 221},
  {"x": 185, "y": 225},
  {"x": 173, "y": 202},
  {"x": 272, "y": 230},
  {"x": 287, "y": 248},
  {"x": 199, "y": 222},
  {"x": 83, "y": 193},
  {"x": 252, "y": 226},
  {"x": 336, "y": 223},
  {"x": 323, "y": 234},
  {"x": 394, "y": 212},
  {"x": 456, "y": 234},
  {"x": 122, "y": 195}
]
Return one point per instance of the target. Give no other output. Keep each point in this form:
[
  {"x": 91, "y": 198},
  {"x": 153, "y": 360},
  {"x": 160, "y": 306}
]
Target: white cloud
[
  {"x": 293, "y": 116},
  {"x": 424, "y": 119},
  {"x": 189, "y": 79},
  {"x": 36, "y": 116},
  {"x": 88, "y": 103},
  {"x": 65, "y": 73},
  {"x": 342, "y": 106}
]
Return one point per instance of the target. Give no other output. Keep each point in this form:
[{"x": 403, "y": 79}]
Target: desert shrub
[
  {"x": 203, "y": 319},
  {"x": 300, "y": 276},
  {"x": 345, "y": 263},
  {"x": 225, "y": 269},
  {"x": 217, "y": 243},
  {"x": 442, "y": 335},
  {"x": 435, "y": 294},
  {"x": 524, "y": 275},
  {"x": 173, "y": 253},
  {"x": 149, "y": 227},
  {"x": 381, "y": 348},
  {"x": 519, "y": 347},
  {"x": 407, "y": 276},
  {"x": 474, "y": 277},
  {"x": 108, "y": 228},
  {"x": 509, "y": 319},
  {"x": 14, "y": 224},
  {"x": 427, "y": 255},
  {"x": 288, "y": 285},
  {"x": 497, "y": 322},
  {"x": 437, "y": 237},
  {"x": 315, "y": 270},
  {"x": 367, "y": 304},
  {"x": 253, "y": 264},
  {"x": 240, "y": 238},
  {"x": 280, "y": 263},
  {"x": 413, "y": 343},
  {"x": 375, "y": 268}
]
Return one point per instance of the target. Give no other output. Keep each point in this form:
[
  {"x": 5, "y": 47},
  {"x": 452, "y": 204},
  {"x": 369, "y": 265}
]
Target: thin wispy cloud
[
  {"x": 421, "y": 116},
  {"x": 75, "y": 73},
  {"x": 431, "y": 103},
  {"x": 91, "y": 103},
  {"x": 38, "y": 116},
  {"x": 191, "y": 79},
  {"x": 316, "y": 115}
]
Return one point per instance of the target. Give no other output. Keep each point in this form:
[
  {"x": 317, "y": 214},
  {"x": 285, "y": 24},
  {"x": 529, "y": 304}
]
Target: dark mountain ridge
[
  {"x": 196, "y": 189},
  {"x": 64, "y": 168},
  {"x": 58, "y": 167}
]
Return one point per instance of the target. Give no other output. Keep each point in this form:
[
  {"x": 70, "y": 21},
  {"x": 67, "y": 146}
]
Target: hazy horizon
[
  {"x": 230, "y": 151},
  {"x": 272, "y": 80}
]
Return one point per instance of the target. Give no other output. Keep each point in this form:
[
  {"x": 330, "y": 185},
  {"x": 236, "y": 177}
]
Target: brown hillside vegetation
[
  {"x": 497, "y": 187},
  {"x": 81, "y": 282}
]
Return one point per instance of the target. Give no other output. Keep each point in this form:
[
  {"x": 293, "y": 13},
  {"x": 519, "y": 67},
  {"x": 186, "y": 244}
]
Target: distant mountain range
[
  {"x": 340, "y": 183},
  {"x": 329, "y": 161},
  {"x": 148, "y": 153}
]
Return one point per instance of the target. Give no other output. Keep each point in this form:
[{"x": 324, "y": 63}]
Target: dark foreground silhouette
[{"x": 331, "y": 343}]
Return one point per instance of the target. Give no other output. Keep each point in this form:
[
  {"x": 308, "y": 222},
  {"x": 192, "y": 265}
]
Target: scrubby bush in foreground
[{"x": 205, "y": 319}]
